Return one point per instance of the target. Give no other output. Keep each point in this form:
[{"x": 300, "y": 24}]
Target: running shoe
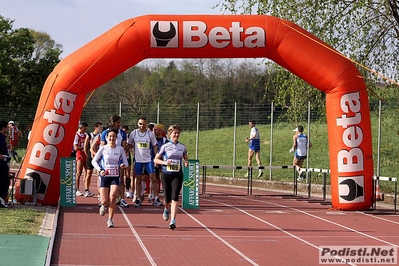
[
  {"x": 150, "y": 198},
  {"x": 137, "y": 203},
  {"x": 157, "y": 202},
  {"x": 260, "y": 173},
  {"x": 79, "y": 193},
  {"x": 123, "y": 203},
  {"x": 129, "y": 194},
  {"x": 165, "y": 214},
  {"x": 103, "y": 210},
  {"x": 110, "y": 223},
  {"x": 88, "y": 193},
  {"x": 172, "y": 225}
]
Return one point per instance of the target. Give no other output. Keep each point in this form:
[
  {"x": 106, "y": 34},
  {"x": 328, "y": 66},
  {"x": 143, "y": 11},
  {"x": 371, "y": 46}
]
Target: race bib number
[
  {"x": 174, "y": 166},
  {"x": 111, "y": 170},
  {"x": 142, "y": 145}
]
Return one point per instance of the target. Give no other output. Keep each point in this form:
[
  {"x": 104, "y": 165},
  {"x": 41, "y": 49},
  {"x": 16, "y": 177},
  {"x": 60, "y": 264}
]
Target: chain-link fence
[{"x": 201, "y": 118}]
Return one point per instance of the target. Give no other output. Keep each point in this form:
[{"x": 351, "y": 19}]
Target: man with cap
[
  {"x": 300, "y": 146},
  {"x": 14, "y": 135}
]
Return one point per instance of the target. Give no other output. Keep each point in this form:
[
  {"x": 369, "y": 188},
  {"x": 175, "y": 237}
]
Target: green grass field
[
  {"x": 21, "y": 220},
  {"x": 216, "y": 147}
]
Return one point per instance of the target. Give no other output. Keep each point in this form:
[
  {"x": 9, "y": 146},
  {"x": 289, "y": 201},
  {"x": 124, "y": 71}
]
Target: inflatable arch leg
[{"x": 208, "y": 36}]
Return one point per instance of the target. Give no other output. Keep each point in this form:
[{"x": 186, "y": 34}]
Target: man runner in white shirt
[{"x": 142, "y": 139}]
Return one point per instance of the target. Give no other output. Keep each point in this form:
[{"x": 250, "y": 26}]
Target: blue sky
[{"x": 73, "y": 23}]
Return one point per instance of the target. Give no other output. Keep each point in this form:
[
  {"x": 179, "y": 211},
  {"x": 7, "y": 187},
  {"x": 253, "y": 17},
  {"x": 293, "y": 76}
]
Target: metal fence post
[{"x": 271, "y": 140}]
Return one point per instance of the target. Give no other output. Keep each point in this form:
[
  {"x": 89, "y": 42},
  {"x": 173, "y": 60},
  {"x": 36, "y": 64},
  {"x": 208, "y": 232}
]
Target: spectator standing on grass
[
  {"x": 14, "y": 136},
  {"x": 254, "y": 147},
  {"x": 87, "y": 148},
  {"x": 4, "y": 168},
  {"x": 81, "y": 157},
  {"x": 300, "y": 147},
  {"x": 171, "y": 156},
  {"x": 108, "y": 161}
]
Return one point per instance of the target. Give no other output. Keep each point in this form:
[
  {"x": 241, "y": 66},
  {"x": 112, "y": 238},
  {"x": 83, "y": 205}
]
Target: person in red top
[
  {"x": 81, "y": 156},
  {"x": 14, "y": 135}
]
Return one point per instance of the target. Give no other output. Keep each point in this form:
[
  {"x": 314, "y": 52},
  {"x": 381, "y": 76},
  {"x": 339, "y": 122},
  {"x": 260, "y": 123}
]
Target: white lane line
[
  {"x": 221, "y": 239},
  {"x": 377, "y": 217},
  {"x": 276, "y": 227},
  {"x": 328, "y": 221},
  {"x": 145, "y": 250}
]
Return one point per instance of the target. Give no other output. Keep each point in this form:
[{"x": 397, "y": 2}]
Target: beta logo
[
  {"x": 164, "y": 34},
  {"x": 351, "y": 189},
  {"x": 197, "y": 34}
]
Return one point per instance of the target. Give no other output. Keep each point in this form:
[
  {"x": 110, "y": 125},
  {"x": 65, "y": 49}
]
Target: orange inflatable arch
[{"x": 207, "y": 36}]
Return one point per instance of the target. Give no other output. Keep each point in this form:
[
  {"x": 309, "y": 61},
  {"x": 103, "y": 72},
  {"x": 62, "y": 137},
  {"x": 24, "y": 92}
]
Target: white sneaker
[
  {"x": 137, "y": 203},
  {"x": 165, "y": 214},
  {"x": 150, "y": 198},
  {"x": 157, "y": 202},
  {"x": 129, "y": 194},
  {"x": 110, "y": 223},
  {"x": 123, "y": 203},
  {"x": 260, "y": 173},
  {"x": 88, "y": 193},
  {"x": 103, "y": 210},
  {"x": 79, "y": 193}
]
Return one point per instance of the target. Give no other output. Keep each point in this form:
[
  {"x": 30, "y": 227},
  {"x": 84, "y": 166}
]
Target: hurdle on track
[
  {"x": 383, "y": 178},
  {"x": 249, "y": 169},
  {"x": 309, "y": 184},
  {"x": 250, "y": 177}
]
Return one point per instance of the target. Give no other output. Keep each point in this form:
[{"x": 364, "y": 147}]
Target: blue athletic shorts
[{"x": 139, "y": 168}]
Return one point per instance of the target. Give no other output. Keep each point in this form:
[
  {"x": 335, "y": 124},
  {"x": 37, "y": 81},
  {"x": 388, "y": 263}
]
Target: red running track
[{"x": 225, "y": 230}]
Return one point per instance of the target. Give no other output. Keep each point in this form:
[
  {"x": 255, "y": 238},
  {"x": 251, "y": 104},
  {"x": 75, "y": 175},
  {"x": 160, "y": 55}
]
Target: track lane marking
[
  {"x": 314, "y": 216},
  {"x": 376, "y": 217},
  {"x": 143, "y": 247},
  {"x": 274, "y": 226},
  {"x": 219, "y": 238}
]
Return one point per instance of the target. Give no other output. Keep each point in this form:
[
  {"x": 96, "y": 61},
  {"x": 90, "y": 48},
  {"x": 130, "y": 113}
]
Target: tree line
[
  {"x": 27, "y": 57},
  {"x": 365, "y": 31}
]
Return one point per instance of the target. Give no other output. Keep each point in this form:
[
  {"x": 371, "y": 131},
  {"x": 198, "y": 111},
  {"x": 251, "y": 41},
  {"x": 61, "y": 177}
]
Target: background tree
[
  {"x": 26, "y": 59},
  {"x": 365, "y": 31}
]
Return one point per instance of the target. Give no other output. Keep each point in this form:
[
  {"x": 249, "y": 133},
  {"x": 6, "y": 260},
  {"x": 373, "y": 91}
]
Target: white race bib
[{"x": 112, "y": 170}]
